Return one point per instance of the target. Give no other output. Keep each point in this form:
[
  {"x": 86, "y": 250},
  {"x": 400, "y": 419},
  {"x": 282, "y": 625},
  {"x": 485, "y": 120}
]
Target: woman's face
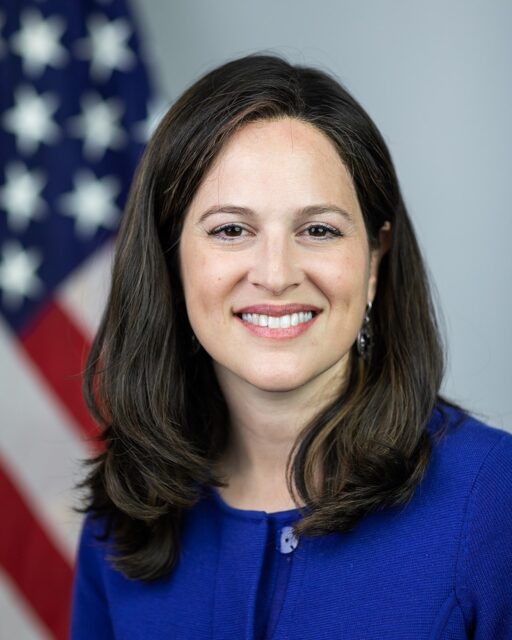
[{"x": 276, "y": 222}]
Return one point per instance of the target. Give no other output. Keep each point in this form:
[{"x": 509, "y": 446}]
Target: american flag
[{"x": 74, "y": 114}]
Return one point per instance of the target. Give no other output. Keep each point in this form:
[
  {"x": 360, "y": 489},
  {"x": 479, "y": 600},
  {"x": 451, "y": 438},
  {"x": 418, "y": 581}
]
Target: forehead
[
  {"x": 277, "y": 163},
  {"x": 279, "y": 134}
]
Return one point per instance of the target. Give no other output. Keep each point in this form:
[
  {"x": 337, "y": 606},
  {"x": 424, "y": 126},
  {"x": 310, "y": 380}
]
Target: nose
[{"x": 276, "y": 265}]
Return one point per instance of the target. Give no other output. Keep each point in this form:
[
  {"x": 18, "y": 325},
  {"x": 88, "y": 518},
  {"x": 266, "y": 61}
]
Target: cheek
[
  {"x": 206, "y": 281},
  {"x": 345, "y": 279}
]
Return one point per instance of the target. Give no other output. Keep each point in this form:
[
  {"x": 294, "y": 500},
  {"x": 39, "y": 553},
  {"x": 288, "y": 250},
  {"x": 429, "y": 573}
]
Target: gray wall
[{"x": 436, "y": 78}]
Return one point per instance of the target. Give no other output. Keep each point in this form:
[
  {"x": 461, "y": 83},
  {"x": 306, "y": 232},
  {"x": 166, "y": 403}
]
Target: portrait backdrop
[{"x": 76, "y": 107}]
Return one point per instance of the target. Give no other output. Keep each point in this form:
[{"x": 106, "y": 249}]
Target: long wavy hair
[{"x": 163, "y": 419}]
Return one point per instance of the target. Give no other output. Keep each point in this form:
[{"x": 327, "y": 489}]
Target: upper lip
[{"x": 278, "y": 309}]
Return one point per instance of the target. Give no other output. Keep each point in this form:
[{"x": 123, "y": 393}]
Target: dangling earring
[
  {"x": 364, "y": 337},
  {"x": 196, "y": 347}
]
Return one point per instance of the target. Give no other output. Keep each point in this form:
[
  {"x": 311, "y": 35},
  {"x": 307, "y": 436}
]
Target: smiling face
[{"x": 276, "y": 222}]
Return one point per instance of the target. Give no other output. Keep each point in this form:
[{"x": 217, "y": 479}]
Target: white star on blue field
[{"x": 69, "y": 139}]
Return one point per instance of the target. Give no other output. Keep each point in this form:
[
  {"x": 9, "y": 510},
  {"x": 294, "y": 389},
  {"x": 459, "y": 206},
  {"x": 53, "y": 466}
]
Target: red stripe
[
  {"x": 58, "y": 349},
  {"x": 33, "y": 562}
]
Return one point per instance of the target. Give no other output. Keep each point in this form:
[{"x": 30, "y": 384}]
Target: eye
[
  {"x": 227, "y": 232},
  {"x": 322, "y": 231},
  {"x": 230, "y": 232}
]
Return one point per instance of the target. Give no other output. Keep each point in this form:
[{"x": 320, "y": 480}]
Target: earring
[{"x": 364, "y": 337}]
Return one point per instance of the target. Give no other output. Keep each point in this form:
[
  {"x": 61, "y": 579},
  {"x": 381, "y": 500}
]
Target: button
[{"x": 288, "y": 541}]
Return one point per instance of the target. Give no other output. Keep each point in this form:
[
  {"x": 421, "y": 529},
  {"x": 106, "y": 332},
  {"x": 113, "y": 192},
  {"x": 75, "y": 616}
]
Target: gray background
[{"x": 436, "y": 78}]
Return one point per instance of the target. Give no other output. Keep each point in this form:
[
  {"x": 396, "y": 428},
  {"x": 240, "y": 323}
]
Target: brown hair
[{"x": 162, "y": 414}]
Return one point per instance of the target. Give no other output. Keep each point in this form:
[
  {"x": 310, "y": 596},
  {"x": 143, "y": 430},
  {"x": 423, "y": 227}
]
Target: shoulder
[
  {"x": 95, "y": 545},
  {"x": 474, "y": 462},
  {"x": 90, "y": 611},
  {"x": 480, "y": 453},
  {"x": 469, "y": 446},
  {"x": 94, "y": 529},
  {"x": 470, "y": 469}
]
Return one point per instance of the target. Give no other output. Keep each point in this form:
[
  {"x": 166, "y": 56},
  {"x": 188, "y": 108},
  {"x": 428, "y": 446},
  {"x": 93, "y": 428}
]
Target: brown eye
[
  {"x": 233, "y": 230},
  {"x": 227, "y": 231},
  {"x": 317, "y": 230},
  {"x": 322, "y": 231}
]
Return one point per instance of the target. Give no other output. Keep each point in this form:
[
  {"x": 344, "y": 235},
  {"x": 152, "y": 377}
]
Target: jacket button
[{"x": 288, "y": 541}]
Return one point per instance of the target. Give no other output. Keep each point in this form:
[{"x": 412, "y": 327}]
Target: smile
[
  {"x": 277, "y": 327},
  {"x": 281, "y": 322}
]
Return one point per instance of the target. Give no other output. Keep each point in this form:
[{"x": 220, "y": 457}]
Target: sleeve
[
  {"x": 485, "y": 569},
  {"x": 90, "y": 612}
]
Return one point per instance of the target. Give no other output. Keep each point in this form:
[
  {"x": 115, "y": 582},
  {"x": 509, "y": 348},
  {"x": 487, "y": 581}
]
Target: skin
[{"x": 271, "y": 256}]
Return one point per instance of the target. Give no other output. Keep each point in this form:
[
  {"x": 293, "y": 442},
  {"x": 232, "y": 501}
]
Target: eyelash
[{"x": 331, "y": 230}]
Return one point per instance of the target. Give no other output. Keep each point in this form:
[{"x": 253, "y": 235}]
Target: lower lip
[{"x": 278, "y": 334}]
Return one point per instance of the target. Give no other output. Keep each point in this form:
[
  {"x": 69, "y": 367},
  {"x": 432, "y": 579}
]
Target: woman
[{"x": 278, "y": 461}]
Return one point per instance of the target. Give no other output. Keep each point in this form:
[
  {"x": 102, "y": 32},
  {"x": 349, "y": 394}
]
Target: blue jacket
[{"x": 437, "y": 568}]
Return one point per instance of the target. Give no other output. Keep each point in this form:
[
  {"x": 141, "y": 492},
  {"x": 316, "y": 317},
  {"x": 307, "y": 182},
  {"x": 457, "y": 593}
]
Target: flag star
[
  {"x": 37, "y": 42},
  {"x": 98, "y": 125},
  {"x": 143, "y": 130},
  {"x": 21, "y": 196},
  {"x": 18, "y": 277},
  {"x": 92, "y": 203},
  {"x": 30, "y": 120},
  {"x": 106, "y": 46}
]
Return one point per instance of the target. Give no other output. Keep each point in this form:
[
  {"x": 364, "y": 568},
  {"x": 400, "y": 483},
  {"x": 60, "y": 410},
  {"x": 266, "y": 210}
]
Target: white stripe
[
  {"x": 17, "y": 620},
  {"x": 39, "y": 445},
  {"x": 84, "y": 294}
]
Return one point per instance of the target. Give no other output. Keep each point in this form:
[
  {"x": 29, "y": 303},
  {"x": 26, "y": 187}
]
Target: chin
[{"x": 278, "y": 383}]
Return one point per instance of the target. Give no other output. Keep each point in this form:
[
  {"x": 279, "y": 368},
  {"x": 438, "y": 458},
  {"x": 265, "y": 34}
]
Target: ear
[{"x": 376, "y": 257}]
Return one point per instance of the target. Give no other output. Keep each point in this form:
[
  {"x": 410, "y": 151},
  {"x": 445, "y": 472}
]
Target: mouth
[
  {"x": 278, "y": 326},
  {"x": 281, "y": 320},
  {"x": 278, "y": 310}
]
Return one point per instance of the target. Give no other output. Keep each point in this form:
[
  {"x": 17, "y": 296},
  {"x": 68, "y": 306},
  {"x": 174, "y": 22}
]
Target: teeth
[
  {"x": 284, "y": 322},
  {"x": 281, "y": 322}
]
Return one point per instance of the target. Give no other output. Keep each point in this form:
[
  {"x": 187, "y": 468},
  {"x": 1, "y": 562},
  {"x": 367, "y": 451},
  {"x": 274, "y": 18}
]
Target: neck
[{"x": 264, "y": 426}]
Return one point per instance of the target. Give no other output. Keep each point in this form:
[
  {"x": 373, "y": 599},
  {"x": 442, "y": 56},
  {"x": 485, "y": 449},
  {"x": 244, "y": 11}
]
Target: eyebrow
[{"x": 314, "y": 209}]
